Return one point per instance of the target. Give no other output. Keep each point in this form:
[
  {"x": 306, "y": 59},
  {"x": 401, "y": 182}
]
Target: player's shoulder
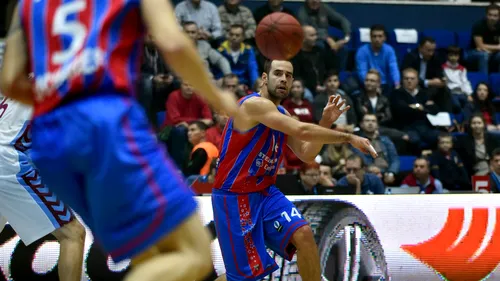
[{"x": 255, "y": 100}]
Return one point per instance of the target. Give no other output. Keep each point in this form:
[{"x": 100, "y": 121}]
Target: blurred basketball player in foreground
[
  {"x": 31, "y": 209},
  {"x": 249, "y": 210},
  {"x": 91, "y": 140}
]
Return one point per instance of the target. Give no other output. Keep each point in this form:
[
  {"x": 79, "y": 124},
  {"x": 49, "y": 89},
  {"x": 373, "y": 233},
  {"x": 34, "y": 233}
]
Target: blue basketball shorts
[
  {"x": 248, "y": 223},
  {"x": 101, "y": 158}
]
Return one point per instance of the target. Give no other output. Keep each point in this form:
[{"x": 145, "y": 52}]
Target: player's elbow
[
  {"x": 169, "y": 46},
  {"x": 304, "y": 132}
]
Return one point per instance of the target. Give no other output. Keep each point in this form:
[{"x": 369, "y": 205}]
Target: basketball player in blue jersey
[
  {"x": 90, "y": 138},
  {"x": 250, "y": 213}
]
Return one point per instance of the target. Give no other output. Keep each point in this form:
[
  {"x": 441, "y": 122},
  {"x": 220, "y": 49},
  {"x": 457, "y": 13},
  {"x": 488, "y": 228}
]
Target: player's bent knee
[
  {"x": 73, "y": 231},
  {"x": 303, "y": 237}
]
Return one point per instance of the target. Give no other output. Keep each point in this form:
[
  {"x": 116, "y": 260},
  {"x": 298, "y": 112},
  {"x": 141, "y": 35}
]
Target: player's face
[
  {"x": 195, "y": 135},
  {"x": 332, "y": 84},
  {"x": 280, "y": 78},
  {"x": 371, "y": 82}
]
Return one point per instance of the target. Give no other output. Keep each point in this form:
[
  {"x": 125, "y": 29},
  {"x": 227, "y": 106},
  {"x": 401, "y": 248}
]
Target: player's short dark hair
[
  {"x": 186, "y": 23},
  {"x": 377, "y": 27},
  {"x": 237, "y": 25},
  {"x": 453, "y": 50},
  {"x": 267, "y": 66},
  {"x": 426, "y": 39},
  {"x": 202, "y": 126},
  {"x": 492, "y": 7},
  {"x": 355, "y": 157}
]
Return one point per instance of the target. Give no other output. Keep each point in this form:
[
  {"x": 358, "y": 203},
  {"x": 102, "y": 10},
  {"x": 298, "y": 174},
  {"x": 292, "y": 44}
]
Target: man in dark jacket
[{"x": 430, "y": 73}]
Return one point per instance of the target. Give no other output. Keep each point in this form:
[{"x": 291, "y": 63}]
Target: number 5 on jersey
[
  {"x": 293, "y": 213},
  {"x": 72, "y": 28}
]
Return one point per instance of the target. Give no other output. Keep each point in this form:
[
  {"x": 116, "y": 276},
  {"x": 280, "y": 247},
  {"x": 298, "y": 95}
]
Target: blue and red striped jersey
[
  {"x": 249, "y": 161},
  {"x": 81, "y": 47}
]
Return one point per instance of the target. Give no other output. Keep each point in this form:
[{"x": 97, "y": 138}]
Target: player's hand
[
  {"x": 363, "y": 145},
  {"x": 333, "y": 110}
]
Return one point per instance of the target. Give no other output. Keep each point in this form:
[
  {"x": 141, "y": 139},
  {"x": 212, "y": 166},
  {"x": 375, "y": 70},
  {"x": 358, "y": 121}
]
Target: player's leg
[
  {"x": 287, "y": 232},
  {"x": 34, "y": 211},
  {"x": 239, "y": 225},
  {"x": 183, "y": 254},
  {"x": 71, "y": 239}
]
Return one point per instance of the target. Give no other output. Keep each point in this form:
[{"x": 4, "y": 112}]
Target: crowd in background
[{"x": 419, "y": 105}]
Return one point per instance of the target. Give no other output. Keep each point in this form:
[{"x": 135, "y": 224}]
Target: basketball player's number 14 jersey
[{"x": 81, "y": 47}]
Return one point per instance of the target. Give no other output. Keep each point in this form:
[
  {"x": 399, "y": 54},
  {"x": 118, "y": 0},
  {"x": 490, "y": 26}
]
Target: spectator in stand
[
  {"x": 203, "y": 152},
  {"x": 312, "y": 63},
  {"x": 422, "y": 178},
  {"x": 483, "y": 104},
  {"x": 410, "y": 106},
  {"x": 380, "y": 56},
  {"x": 214, "y": 133},
  {"x": 388, "y": 159},
  {"x": 183, "y": 107},
  {"x": 485, "y": 43},
  {"x": 476, "y": 147},
  {"x": 231, "y": 83},
  {"x": 310, "y": 178},
  {"x": 447, "y": 166},
  {"x": 335, "y": 155},
  {"x": 364, "y": 183},
  {"x": 372, "y": 169},
  {"x": 430, "y": 73},
  {"x": 156, "y": 81},
  {"x": 207, "y": 53},
  {"x": 370, "y": 101},
  {"x": 204, "y": 14},
  {"x": 296, "y": 105},
  {"x": 270, "y": 7},
  {"x": 321, "y": 16},
  {"x": 240, "y": 56},
  {"x": 456, "y": 78},
  {"x": 495, "y": 171},
  {"x": 326, "y": 176},
  {"x": 233, "y": 13},
  {"x": 257, "y": 85},
  {"x": 347, "y": 121}
]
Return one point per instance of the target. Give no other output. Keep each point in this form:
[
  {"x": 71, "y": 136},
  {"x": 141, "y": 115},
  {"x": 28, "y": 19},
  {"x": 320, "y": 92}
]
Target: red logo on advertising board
[{"x": 470, "y": 254}]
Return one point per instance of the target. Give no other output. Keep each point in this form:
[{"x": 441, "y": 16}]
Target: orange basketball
[{"x": 279, "y": 36}]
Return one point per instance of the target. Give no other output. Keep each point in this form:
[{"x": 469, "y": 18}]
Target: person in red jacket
[{"x": 296, "y": 105}]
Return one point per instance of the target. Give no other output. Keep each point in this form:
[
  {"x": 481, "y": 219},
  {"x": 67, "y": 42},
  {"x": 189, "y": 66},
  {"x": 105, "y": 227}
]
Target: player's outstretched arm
[
  {"x": 14, "y": 81},
  {"x": 181, "y": 55},
  {"x": 264, "y": 111}
]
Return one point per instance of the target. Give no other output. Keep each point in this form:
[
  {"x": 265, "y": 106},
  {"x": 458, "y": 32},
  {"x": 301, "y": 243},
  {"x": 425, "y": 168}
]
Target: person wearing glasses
[{"x": 356, "y": 177}]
